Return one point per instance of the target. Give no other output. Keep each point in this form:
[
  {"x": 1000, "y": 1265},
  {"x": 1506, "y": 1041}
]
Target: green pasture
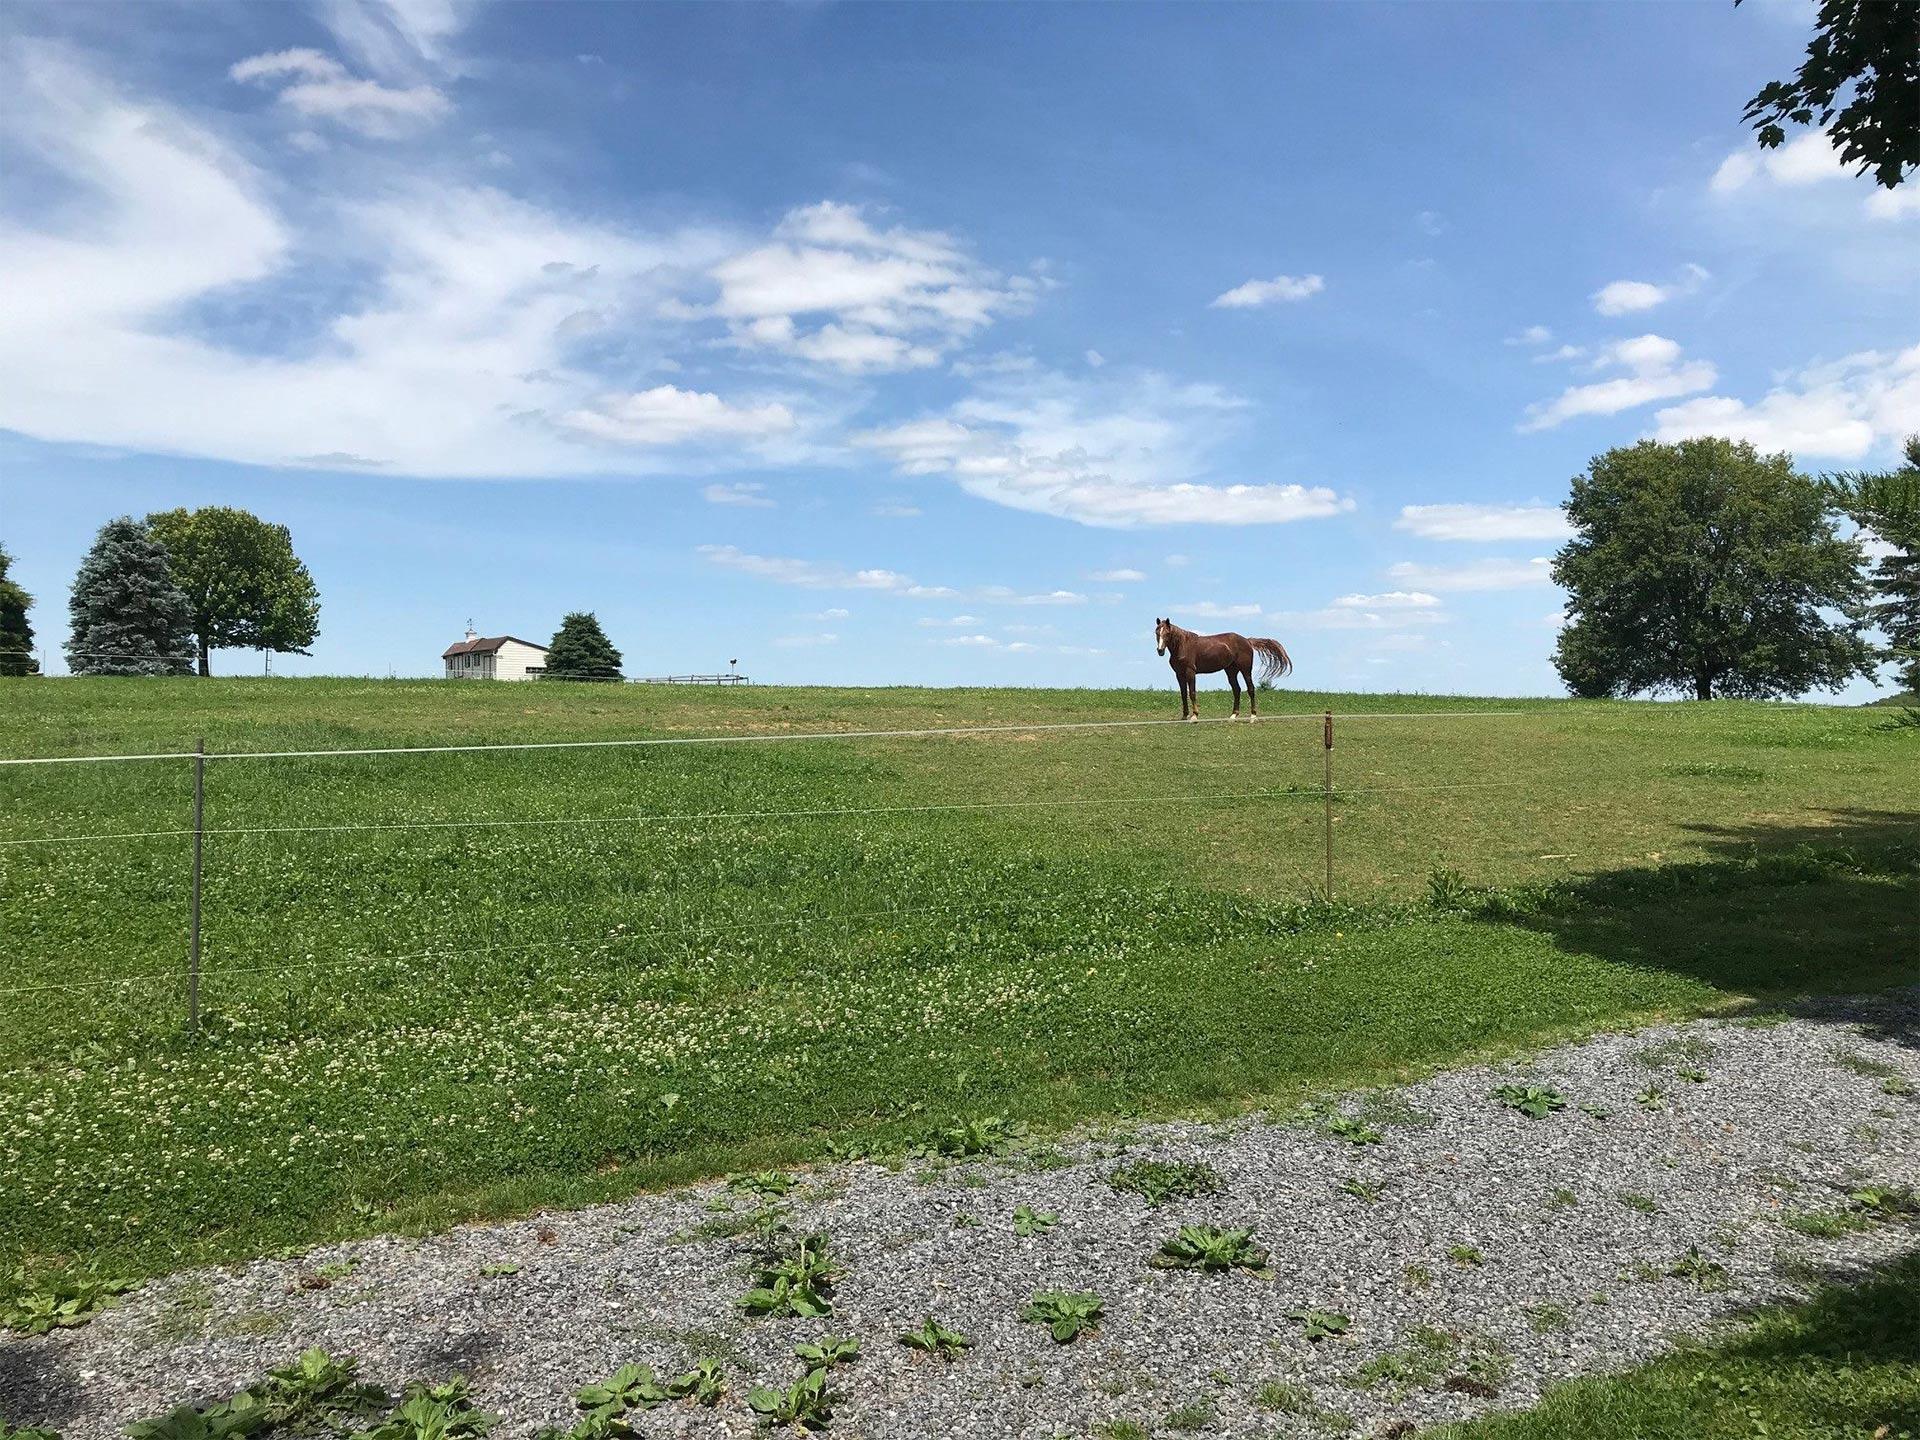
[{"x": 652, "y": 962}]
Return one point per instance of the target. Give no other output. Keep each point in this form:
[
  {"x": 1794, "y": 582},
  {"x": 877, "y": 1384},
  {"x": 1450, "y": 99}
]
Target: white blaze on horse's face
[{"x": 1159, "y": 643}]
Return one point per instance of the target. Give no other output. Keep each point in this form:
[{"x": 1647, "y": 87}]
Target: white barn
[{"x": 500, "y": 657}]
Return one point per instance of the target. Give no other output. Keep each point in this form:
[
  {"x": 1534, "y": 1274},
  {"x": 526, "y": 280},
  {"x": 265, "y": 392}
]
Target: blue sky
[{"x": 919, "y": 343}]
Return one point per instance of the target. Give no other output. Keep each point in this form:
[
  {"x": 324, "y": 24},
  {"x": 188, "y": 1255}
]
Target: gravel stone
[{"x": 1783, "y": 1123}]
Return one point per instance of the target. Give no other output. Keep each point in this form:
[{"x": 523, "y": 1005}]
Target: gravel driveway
[{"x": 1479, "y": 1255}]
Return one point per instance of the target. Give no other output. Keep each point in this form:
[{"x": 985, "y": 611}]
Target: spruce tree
[
  {"x": 581, "y": 651},
  {"x": 1889, "y": 505},
  {"x": 16, "y": 634},
  {"x": 129, "y": 618}
]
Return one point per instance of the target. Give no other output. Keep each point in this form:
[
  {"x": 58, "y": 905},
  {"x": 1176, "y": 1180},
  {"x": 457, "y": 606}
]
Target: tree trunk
[
  {"x": 205, "y": 669},
  {"x": 1703, "y": 687}
]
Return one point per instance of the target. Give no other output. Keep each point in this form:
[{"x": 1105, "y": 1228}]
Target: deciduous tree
[
  {"x": 1704, "y": 567},
  {"x": 129, "y": 618},
  {"x": 245, "y": 587},
  {"x": 1860, "y": 83}
]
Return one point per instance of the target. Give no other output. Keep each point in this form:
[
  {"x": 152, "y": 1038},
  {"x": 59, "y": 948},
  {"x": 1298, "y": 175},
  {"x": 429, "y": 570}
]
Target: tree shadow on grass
[
  {"x": 1843, "y": 1363},
  {"x": 1789, "y": 915}
]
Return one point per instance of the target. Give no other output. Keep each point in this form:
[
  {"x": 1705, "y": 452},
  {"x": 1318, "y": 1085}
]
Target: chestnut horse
[{"x": 1190, "y": 655}]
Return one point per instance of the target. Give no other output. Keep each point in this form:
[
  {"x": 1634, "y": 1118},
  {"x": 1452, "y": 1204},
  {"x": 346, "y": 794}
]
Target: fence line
[
  {"x": 947, "y": 730},
  {"x": 692, "y": 816}
]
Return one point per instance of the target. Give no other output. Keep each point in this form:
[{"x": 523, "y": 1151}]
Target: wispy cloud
[
  {"x": 1117, "y": 577},
  {"x": 1120, "y": 452},
  {"x": 744, "y": 493},
  {"x": 318, "y": 87},
  {"x": 833, "y": 289},
  {"x": 666, "y": 415},
  {"x": 1280, "y": 290},
  {"x": 1655, "y": 370},
  {"x": 1490, "y": 574},
  {"x": 1484, "y": 522}
]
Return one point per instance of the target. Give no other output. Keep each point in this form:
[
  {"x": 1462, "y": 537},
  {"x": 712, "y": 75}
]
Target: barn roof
[{"x": 486, "y": 646}]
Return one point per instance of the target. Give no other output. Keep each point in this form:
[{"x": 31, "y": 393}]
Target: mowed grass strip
[{"x": 408, "y": 1026}]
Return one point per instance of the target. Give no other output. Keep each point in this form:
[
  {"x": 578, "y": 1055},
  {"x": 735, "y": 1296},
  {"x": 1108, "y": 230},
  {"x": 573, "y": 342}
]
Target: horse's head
[{"x": 1161, "y": 630}]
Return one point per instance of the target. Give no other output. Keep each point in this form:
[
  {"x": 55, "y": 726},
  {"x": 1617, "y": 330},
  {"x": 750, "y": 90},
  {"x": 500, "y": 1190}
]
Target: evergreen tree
[
  {"x": 581, "y": 651},
  {"x": 1889, "y": 505},
  {"x": 129, "y": 618},
  {"x": 245, "y": 587},
  {"x": 16, "y": 634},
  {"x": 1705, "y": 567}
]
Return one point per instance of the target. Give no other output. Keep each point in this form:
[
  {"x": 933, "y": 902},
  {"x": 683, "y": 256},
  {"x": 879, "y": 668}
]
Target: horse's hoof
[
  {"x": 1252, "y": 718},
  {"x": 1193, "y": 719}
]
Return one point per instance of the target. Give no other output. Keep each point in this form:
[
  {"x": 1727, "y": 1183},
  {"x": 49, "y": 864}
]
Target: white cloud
[
  {"x": 1390, "y": 600},
  {"x": 833, "y": 289},
  {"x": 975, "y": 640},
  {"x": 893, "y": 510},
  {"x": 1177, "y": 561},
  {"x": 1484, "y": 522},
  {"x": 1845, "y": 410},
  {"x": 1107, "y": 452},
  {"x": 834, "y": 614},
  {"x": 1117, "y": 577},
  {"x": 452, "y": 357},
  {"x": 1214, "y": 610},
  {"x": 1624, "y": 297},
  {"x": 934, "y": 623},
  {"x": 746, "y": 494},
  {"x": 812, "y": 575},
  {"x": 1655, "y": 371},
  {"x": 667, "y": 415},
  {"x": 1901, "y": 204},
  {"x": 1532, "y": 335},
  {"x": 1096, "y": 359},
  {"x": 1806, "y": 160},
  {"x": 1279, "y": 290},
  {"x": 318, "y": 87},
  {"x": 1489, "y": 574},
  {"x": 1002, "y": 595},
  {"x": 1431, "y": 223},
  {"x": 1564, "y": 352}
]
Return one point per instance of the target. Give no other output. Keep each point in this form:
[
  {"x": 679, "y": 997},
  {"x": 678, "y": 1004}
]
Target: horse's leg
[
  {"x": 1190, "y": 709},
  {"x": 1233, "y": 679},
  {"x": 1253, "y": 695}
]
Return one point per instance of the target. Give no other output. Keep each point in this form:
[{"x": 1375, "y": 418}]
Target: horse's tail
[{"x": 1274, "y": 660}]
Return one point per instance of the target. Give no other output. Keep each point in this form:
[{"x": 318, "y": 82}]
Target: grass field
[
  {"x": 1843, "y": 1367},
  {"x": 653, "y": 962}
]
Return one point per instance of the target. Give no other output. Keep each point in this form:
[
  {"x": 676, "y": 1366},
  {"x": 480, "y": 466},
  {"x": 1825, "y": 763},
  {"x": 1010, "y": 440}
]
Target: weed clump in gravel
[
  {"x": 933, "y": 1338},
  {"x": 798, "y": 1281},
  {"x": 1536, "y": 1102},
  {"x": 1158, "y": 1181},
  {"x": 1067, "y": 1316},
  {"x": 1208, "y": 1247}
]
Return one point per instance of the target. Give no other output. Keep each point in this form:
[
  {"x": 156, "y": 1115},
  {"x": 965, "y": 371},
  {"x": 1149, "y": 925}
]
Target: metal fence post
[
  {"x": 1326, "y": 790},
  {"x": 199, "y": 839}
]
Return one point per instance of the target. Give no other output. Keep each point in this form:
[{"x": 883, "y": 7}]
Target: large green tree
[
  {"x": 1888, "y": 504},
  {"x": 16, "y": 633},
  {"x": 1707, "y": 568},
  {"x": 245, "y": 587},
  {"x": 581, "y": 651},
  {"x": 1860, "y": 83},
  {"x": 129, "y": 618}
]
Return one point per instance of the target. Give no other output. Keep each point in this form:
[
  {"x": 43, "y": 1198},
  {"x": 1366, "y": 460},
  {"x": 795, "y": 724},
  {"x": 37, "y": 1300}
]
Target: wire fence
[{"x": 664, "y": 868}]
